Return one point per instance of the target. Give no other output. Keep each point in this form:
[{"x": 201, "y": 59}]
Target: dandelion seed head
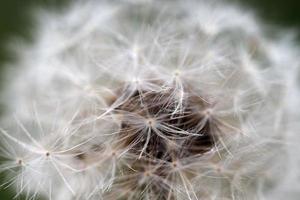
[{"x": 152, "y": 100}]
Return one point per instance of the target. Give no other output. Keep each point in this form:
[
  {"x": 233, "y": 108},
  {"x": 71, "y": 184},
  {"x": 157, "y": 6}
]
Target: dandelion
[{"x": 152, "y": 100}]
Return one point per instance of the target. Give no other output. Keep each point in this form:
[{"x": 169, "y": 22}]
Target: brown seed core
[
  {"x": 187, "y": 128},
  {"x": 173, "y": 129}
]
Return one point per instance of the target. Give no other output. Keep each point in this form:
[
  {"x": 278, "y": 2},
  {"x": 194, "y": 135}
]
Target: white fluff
[{"x": 57, "y": 106}]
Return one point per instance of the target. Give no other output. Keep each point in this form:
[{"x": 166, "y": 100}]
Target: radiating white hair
[{"x": 171, "y": 100}]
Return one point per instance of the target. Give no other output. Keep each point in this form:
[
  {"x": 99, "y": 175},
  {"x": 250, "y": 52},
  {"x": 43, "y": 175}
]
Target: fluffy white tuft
[{"x": 153, "y": 100}]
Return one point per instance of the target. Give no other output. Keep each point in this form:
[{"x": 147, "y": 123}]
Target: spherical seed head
[{"x": 153, "y": 100}]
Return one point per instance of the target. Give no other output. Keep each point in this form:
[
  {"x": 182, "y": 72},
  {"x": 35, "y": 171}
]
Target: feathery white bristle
[{"x": 152, "y": 100}]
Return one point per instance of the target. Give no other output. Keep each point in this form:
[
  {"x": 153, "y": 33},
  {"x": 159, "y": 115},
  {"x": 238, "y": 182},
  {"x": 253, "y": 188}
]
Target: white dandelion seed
[{"x": 152, "y": 100}]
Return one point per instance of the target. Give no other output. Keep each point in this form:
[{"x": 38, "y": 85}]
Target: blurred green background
[{"x": 16, "y": 22}]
